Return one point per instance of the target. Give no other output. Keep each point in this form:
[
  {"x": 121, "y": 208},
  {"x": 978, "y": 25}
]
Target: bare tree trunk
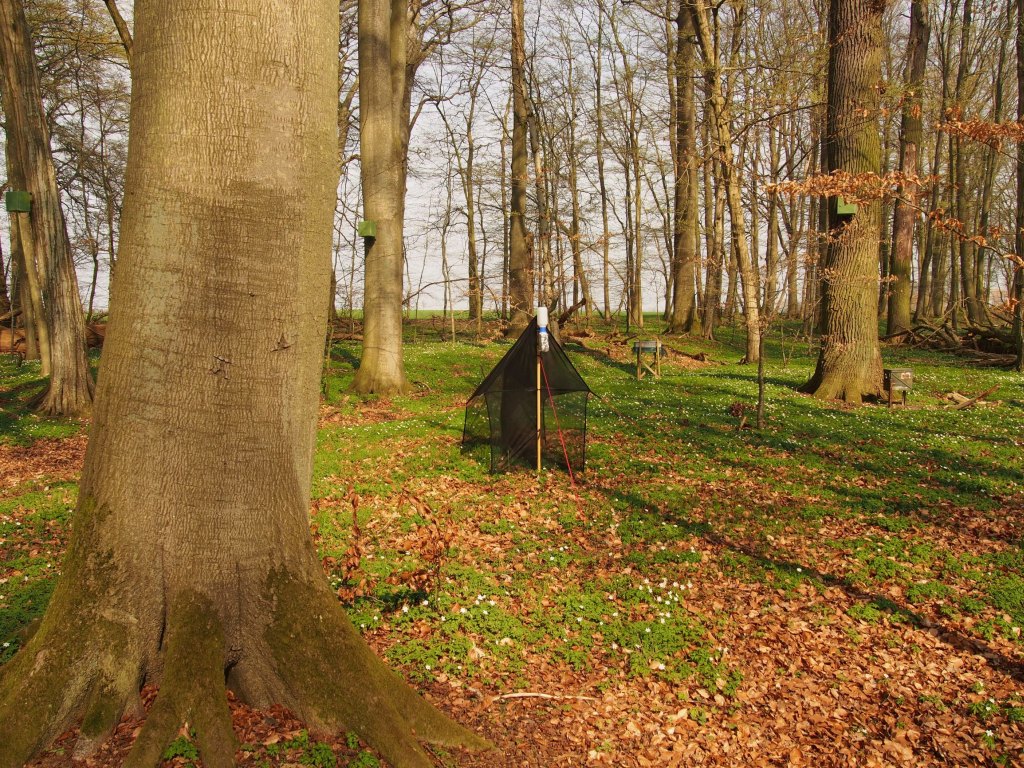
[
  {"x": 683, "y": 317},
  {"x": 506, "y": 216},
  {"x": 599, "y": 148},
  {"x": 906, "y": 214},
  {"x": 542, "y": 245},
  {"x": 465, "y": 163},
  {"x": 383, "y": 27},
  {"x": 771, "y": 261},
  {"x": 628, "y": 220},
  {"x": 714, "y": 221},
  {"x": 963, "y": 248},
  {"x": 6, "y": 273},
  {"x": 817, "y": 249},
  {"x": 70, "y": 386},
  {"x": 922, "y": 307},
  {"x": 122, "y": 29},
  {"x": 520, "y": 267},
  {"x": 723, "y": 134},
  {"x": 580, "y": 279},
  {"x": 629, "y": 158},
  {"x": 37, "y": 335},
  {"x": 933, "y": 262},
  {"x": 991, "y": 166},
  {"x": 850, "y": 362},
  {"x": 1018, "y": 271}
]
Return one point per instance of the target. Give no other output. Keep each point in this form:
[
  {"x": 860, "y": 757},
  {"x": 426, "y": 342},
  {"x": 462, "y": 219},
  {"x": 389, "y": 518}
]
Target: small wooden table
[{"x": 643, "y": 368}]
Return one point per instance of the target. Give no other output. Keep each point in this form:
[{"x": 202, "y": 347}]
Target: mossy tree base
[
  {"x": 309, "y": 658},
  {"x": 851, "y": 383},
  {"x": 369, "y": 381}
]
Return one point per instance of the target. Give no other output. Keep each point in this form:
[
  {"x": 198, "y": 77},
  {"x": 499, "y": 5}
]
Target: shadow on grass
[
  {"x": 751, "y": 379},
  {"x": 770, "y": 562},
  {"x": 344, "y": 354},
  {"x": 600, "y": 357},
  {"x": 951, "y": 637},
  {"x": 16, "y": 405}
]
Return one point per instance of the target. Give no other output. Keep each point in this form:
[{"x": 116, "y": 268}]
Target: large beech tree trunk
[
  {"x": 47, "y": 251},
  {"x": 850, "y": 362},
  {"x": 191, "y": 563},
  {"x": 383, "y": 30}
]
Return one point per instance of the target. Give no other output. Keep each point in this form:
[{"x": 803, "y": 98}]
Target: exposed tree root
[
  {"x": 308, "y": 657},
  {"x": 336, "y": 682},
  {"x": 192, "y": 690},
  {"x": 31, "y": 709},
  {"x": 850, "y": 387},
  {"x": 55, "y": 681}
]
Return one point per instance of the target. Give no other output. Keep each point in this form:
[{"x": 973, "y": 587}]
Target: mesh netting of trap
[{"x": 501, "y": 426}]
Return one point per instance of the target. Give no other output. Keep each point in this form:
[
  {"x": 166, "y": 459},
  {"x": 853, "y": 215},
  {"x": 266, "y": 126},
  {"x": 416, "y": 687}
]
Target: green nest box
[
  {"x": 844, "y": 208},
  {"x": 367, "y": 228},
  {"x": 18, "y": 201}
]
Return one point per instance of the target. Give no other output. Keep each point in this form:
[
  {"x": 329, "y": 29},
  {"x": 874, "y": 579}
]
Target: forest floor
[{"x": 842, "y": 587}]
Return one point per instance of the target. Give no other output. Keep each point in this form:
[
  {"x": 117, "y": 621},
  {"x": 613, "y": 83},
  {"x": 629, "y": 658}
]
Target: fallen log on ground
[
  {"x": 963, "y": 402},
  {"x": 982, "y": 344}
]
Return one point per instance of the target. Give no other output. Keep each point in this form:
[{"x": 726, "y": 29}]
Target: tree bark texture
[
  {"x": 684, "y": 237},
  {"x": 467, "y": 173},
  {"x": 520, "y": 259},
  {"x": 597, "y": 57},
  {"x": 1018, "y": 269},
  {"x": 70, "y": 387},
  {"x": 723, "y": 135},
  {"x": 992, "y": 160},
  {"x": 580, "y": 278},
  {"x": 5, "y": 297},
  {"x": 850, "y": 363},
  {"x": 905, "y": 213},
  {"x": 37, "y": 334},
  {"x": 383, "y": 26},
  {"x": 714, "y": 228},
  {"x": 771, "y": 260},
  {"x": 544, "y": 267},
  {"x": 191, "y": 562},
  {"x": 963, "y": 258}
]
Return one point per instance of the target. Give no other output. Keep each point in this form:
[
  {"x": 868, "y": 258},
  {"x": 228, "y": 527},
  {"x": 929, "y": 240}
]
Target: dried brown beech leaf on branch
[
  {"x": 983, "y": 131},
  {"x": 855, "y": 188},
  {"x": 862, "y": 188}
]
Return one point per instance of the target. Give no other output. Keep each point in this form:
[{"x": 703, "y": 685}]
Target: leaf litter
[{"x": 805, "y": 632}]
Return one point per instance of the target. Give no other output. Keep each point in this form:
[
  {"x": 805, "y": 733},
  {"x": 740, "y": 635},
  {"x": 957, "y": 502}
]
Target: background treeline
[{"x": 603, "y": 96}]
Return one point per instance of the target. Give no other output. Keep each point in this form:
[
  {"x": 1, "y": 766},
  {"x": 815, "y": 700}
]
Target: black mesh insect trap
[{"x": 531, "y": 409}]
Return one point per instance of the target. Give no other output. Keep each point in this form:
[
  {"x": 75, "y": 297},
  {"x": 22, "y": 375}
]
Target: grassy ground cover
[{"x": 842, "y": 587}]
